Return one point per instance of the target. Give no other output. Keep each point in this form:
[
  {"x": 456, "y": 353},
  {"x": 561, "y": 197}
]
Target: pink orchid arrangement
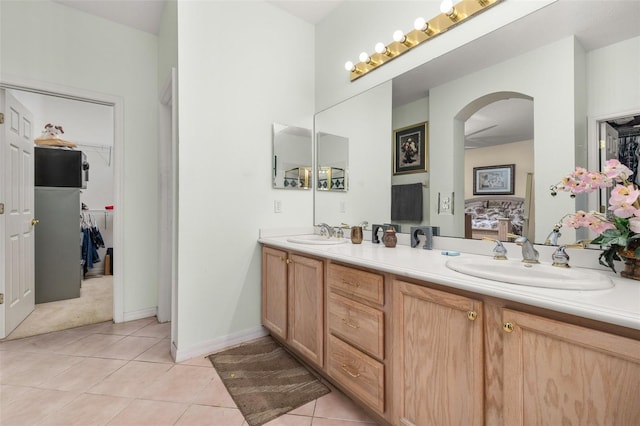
[{"x": 621, "y": 225}]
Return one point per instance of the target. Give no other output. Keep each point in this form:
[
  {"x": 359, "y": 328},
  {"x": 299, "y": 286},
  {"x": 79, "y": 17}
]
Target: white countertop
[{"x": 618, "y": 305}]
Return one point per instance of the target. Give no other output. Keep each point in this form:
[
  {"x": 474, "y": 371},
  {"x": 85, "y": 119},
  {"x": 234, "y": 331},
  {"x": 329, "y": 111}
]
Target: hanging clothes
[{"x": 91, "y": 241}]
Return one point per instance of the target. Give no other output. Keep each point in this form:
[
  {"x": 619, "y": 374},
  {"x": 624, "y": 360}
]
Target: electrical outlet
[
  {"x": 343, "y": 206},
  {"x": 277, "y": 206},
  {"x": 445, "y": 204}
]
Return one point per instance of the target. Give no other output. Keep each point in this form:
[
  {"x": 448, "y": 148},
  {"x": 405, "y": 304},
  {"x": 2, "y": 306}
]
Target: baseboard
[
  {"x": 142, "y": 313},
  {"x": 218, "y": 344}
]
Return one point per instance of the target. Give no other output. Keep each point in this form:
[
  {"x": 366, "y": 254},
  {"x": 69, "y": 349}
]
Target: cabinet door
[
  {"x": 562, "y": 374},
  {"x": 306, "y": 304},
  {"x": 274, "y": 291},
  {"x": 437, "y": 357}
]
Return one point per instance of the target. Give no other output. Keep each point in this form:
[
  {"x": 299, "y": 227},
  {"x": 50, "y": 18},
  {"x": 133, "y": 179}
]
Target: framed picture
[
  {"x": 494, "y": 180},
  {"x": 410, "y": 149}
]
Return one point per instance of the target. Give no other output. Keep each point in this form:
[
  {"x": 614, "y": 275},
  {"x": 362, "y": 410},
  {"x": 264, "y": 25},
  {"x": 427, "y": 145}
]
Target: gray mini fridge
[{"x": 58, "y": 273}]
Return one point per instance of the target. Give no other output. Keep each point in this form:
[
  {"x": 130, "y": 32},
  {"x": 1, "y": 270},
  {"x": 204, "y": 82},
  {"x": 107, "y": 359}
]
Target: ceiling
[{"x": 594, "y": 23}]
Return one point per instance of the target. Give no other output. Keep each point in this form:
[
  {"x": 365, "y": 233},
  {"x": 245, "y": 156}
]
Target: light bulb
[
  {"x": 381, "y": 48},
  {"x": 364, "y": 57},
  {"x": 349, "y": 66},
  {"x": 420, "y": 24},
  {"x": 446, "y": 7},
  {"x": 399, "y": 36}
]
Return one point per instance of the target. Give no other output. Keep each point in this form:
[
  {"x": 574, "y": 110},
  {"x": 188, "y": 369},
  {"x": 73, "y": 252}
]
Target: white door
[{"x": 16, "y": 224}]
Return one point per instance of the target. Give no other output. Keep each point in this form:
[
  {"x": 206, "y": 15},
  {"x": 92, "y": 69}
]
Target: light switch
[{"x": 277, "y": 206}]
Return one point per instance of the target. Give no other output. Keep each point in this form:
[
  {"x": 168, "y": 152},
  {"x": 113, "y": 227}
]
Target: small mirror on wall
[
  {"x": 291, "y": 162},
  {"x": 333, "y": 159}
]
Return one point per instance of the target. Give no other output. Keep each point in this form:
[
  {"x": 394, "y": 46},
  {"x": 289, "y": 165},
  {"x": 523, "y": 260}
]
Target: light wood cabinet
[
  {"x": 306, "y": 303},
  {"x": 360, "y": 325},
  {"x": 417, "y": 353},
  {"x": 293, "y": 301},
  {"x": 562, "y": 374},
  {"x": 274, "y": 291},
  {"x": 355, "y": 338},
  {"x": 438, "y": 357},
  {"x": 358, "y": 372}
]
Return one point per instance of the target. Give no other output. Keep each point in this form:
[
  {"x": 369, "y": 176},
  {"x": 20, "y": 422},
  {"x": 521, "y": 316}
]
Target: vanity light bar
[{"x": 451, "y": 16}]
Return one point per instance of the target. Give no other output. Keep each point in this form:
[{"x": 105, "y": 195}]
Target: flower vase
[{"x": 631, "y": 263}]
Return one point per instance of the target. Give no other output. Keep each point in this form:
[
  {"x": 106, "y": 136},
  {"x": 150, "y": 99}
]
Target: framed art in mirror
[
  {"x": 494, "y": 180},
  {"x": 410, "y": 149}
]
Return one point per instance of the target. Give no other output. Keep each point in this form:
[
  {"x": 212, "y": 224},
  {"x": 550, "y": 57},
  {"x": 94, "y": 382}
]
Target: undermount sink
[
  {"x": 316, "y": 239},
  {"x": 533, "y": 275}
]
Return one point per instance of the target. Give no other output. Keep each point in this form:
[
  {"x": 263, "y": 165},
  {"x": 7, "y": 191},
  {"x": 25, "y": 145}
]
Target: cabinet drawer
[
  {"x": 358, "y": 372},
  {"x": 365, "y": 285},
  {"x": 358, "y": 324}
]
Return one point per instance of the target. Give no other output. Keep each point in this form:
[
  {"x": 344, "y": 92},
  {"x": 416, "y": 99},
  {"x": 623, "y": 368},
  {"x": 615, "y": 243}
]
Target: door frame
[
  {"x": 593, "y": 145},
  {"x": 117, "y": 102}
]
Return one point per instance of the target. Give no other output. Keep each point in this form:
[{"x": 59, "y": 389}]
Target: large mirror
[
  {"x": 527, "y": 111},
  {"x": 365, "y": 122},
  {"x": 292, "y": 155}
]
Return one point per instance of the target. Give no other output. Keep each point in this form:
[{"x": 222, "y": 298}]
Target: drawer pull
[
  {"x": 356, "y": 285},
  {"x": 350, "y": 324},
  {"x": 346, "y": 370}
]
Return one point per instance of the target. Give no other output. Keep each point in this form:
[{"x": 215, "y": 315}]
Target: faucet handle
[
  {"x": 499, "y": 251},
  {"x": 560, "y": 257}
]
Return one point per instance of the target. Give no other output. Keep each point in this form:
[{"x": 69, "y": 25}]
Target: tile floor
[{"x": 122, "y": 374}]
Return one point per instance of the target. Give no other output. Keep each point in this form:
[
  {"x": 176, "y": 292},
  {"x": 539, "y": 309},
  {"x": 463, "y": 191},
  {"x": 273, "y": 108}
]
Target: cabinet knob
[
  {"x": 472, "y": 315},
  {"x": 507, "y": 326},
  {"x": 289, "y": 261}
]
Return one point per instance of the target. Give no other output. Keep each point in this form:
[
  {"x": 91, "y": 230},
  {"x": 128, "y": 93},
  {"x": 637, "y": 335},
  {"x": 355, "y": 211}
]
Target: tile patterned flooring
[{"x": 122, "y": 374}]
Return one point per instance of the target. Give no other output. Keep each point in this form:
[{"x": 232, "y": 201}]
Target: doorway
[
  {"x": 111, "y": 155},
  {"x": 619, "y": 138},
  {"x": 88, "y": 126}
]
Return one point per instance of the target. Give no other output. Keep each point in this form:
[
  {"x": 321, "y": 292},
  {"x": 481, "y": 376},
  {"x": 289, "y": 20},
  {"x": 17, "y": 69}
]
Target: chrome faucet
[
  {"x": 552, "y": 239},
  {"x": 326, "y": 230},
  {"x": 529, "y": 253}
]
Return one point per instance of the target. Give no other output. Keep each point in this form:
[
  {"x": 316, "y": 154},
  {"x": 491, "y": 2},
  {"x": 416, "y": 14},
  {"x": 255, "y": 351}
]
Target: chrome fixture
[
  {"x": 326, "y": 230},
  {"x": 560, "y": 258},
  {"x": 499, "y": 251},
  {"x": 529, "y": 253},
  {"x": 451, "y": 16}
]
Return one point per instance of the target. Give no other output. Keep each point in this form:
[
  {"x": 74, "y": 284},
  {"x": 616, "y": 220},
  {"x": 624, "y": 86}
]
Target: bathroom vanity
[{"x": 415, "y": 343}]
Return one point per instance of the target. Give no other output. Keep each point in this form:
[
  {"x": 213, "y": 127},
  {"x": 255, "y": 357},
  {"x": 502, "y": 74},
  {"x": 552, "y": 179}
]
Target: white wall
[
  {"x": 46, "y": 42},
  {"x": 167, "y": 42},
  {"x": 235, "y": 81},
  {"x": 613, "y": 83}
]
